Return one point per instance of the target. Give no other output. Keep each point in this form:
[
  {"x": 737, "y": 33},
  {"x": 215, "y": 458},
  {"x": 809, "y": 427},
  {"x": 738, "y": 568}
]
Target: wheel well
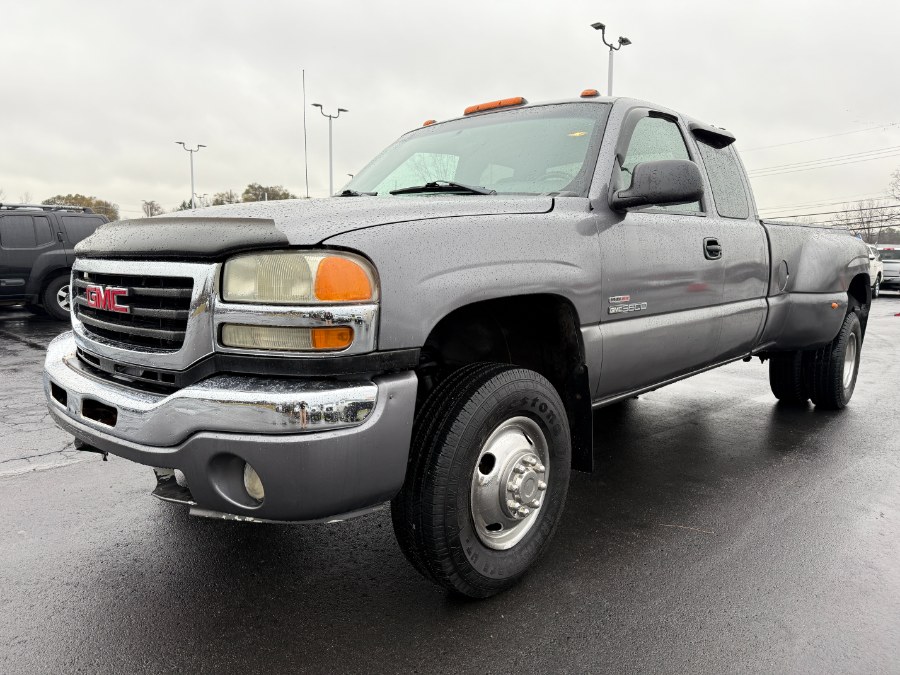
[
  {"x": 50, "y": 276},
  {"x": 859, "y": 295},
  {"x": 538, "y": 332}
]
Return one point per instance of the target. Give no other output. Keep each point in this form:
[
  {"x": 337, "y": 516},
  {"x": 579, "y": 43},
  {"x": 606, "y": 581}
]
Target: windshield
[
  {"x": 548, "y": 149},
  {"x": 890, "y": 253}
]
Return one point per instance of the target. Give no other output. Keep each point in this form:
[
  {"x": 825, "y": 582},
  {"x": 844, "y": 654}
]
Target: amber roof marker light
[
  {"x": 490, "y": 105},
  {"x": 590, "y": 93},
  {"x": 623, "y": 42}
]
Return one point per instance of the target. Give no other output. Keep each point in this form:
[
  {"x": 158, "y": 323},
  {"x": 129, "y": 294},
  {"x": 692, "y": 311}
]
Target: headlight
[{"x": 298, "y": 278}]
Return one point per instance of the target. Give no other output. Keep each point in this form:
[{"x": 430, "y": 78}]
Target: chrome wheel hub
[
  {"x": 509, "y": 483},
  {"x": 63, "y": 298},
  {"x": 525, "y": 486},
  {"x": 850, "y": 360}
]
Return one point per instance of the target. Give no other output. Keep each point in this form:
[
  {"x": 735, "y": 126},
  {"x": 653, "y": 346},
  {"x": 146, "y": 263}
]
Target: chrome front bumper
[
  {"x": 218, "y": 403},
  {"x": 321, "y": 447}
]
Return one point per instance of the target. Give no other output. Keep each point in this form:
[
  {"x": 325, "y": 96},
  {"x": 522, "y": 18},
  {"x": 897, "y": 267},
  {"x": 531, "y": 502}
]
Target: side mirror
[
  {"x": 661, "y": 183},
  {"x": 871, "y": 256}
]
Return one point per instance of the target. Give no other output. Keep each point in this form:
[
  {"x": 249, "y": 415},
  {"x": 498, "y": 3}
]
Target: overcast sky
[{"x": 94, "y": 94}]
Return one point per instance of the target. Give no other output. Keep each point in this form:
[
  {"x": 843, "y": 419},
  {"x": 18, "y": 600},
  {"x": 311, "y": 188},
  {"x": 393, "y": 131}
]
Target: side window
[
  {"x": 655, "y": 138},
  {"x": 42, "y": 233},
  {"x": 17, "y": 232},
  {"x": 725, "y": 180},
  {"x": 80, "y": 227}
]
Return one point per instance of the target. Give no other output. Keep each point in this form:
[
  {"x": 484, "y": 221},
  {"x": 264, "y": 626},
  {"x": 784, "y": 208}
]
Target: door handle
[{"x": 712, "y": 249}]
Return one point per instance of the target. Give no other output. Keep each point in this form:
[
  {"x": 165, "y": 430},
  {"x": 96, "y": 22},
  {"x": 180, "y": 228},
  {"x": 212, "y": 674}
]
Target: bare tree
[
  {"x": 868, "y": 217},
  {"x": 894, "y": 185},
  {"x": 25, "y": 197},
  {"x": 152, "y": 208}
]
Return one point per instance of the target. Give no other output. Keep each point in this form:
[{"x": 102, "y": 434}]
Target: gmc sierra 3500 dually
[{"x": 437, "y": 334}]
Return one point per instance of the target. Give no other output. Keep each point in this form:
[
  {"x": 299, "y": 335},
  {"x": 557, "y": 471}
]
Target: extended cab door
[
  {"x": 661, "y": 282},
  {"x": 743, "y": 242}
]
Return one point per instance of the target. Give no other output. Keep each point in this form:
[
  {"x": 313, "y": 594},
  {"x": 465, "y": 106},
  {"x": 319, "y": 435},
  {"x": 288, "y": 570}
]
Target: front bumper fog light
[
  {"x": 252, "y": 483},
  {"x": 286, "y": 338}
]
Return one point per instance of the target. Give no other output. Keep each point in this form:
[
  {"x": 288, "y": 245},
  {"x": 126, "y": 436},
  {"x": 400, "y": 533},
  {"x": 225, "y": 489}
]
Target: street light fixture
[
  {"x": 197, "y": 149},
  {"x": 330, "y": 145},
  {"x": 623, "y": 42}
]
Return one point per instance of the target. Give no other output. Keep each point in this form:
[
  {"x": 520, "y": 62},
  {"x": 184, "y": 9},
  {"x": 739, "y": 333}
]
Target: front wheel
[
  {"x": 487, "y": 479},
  {"x": 876, "y": 289}
]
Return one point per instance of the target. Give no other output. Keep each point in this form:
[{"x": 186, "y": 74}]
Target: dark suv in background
[{"x": 36, "y": 256}]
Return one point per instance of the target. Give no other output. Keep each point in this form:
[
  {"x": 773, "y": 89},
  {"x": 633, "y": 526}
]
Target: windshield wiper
[
  {"x": 444, "y": 186},
  {"x": 354, "y": 193}
]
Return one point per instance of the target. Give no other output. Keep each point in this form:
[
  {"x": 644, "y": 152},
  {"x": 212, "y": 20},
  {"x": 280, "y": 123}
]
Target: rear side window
[
  {"x": 18, "y": 232},
  {"x": 42, "y": 233},
  {"x": 79, "y": 227},
  {"x": 725, "y": 180}
]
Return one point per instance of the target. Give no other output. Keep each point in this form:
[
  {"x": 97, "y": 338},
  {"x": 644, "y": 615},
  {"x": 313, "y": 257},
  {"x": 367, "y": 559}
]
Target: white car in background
[
  {"x": 876, "y": 269},
  {"x": 890, "y": 258}
]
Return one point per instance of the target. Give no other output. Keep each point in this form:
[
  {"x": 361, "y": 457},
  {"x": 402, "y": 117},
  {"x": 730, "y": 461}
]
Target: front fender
[{"x": 429, "y": 268}]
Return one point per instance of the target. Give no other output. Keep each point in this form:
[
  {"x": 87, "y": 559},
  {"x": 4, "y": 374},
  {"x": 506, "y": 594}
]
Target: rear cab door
[{"x": 731, "y": 217}]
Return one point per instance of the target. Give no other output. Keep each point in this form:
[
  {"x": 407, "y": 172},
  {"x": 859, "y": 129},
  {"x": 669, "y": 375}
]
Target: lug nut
[
  {"x": 535, "y": 503},
  {"x": 524, "y": 511},
  {"x": 542, "y": 485},
  {"x": 513, "y": 505},
  {"x": 519, "y": 468},
  {"x": 540, "y": 468},
  {"x": 530, "y": 461}
]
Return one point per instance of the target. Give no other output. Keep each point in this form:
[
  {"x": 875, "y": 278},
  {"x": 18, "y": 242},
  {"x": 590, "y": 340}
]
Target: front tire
[
  {"x": 833, "y": 368},
  {"x": 57, "y": 299},
  {"x": 487, "y": 479},
  {"x": 876, "y": 289}
]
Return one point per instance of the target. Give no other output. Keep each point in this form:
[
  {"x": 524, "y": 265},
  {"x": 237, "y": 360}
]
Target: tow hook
[{"x": 84, "y": 447}]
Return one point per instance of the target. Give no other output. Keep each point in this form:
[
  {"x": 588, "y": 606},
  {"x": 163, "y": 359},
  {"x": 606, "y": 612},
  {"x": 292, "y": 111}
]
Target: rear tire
[
  {"x": 833, "y": 369},
  {"x": 487, "y": 436},
  {"x": 786, "y": 377},
  {"x": 57, "y": 299},
  {"x": 876, "y": 289}
]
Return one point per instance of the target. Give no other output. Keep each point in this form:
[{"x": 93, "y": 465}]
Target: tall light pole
[
  {"x": 623, "y": 42},
  {"x": 197, "y": 149},
  {"x": 330, "y": 145}
]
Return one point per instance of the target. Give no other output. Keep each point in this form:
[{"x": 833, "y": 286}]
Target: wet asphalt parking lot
[{"x": 720, "y": 533}]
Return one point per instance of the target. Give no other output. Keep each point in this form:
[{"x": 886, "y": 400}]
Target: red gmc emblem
[{"x": 106, "y": 298}]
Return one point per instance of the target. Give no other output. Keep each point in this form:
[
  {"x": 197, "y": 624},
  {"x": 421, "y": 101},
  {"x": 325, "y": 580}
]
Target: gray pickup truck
[{"x": 438, "y": 334}]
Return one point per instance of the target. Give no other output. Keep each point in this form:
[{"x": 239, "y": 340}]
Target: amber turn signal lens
[
  {"x": 337, "y": 337},
  {"x": 490, "y": 105},
  {"x": 342, "y": 280},
  {"x": 428, "y": 123}
]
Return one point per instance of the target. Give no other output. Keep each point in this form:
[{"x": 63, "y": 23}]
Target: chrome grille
[{"x": 158, "y": 309}]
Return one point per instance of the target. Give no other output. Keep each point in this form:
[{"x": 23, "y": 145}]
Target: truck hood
[{"x": 220, "y": 230}]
